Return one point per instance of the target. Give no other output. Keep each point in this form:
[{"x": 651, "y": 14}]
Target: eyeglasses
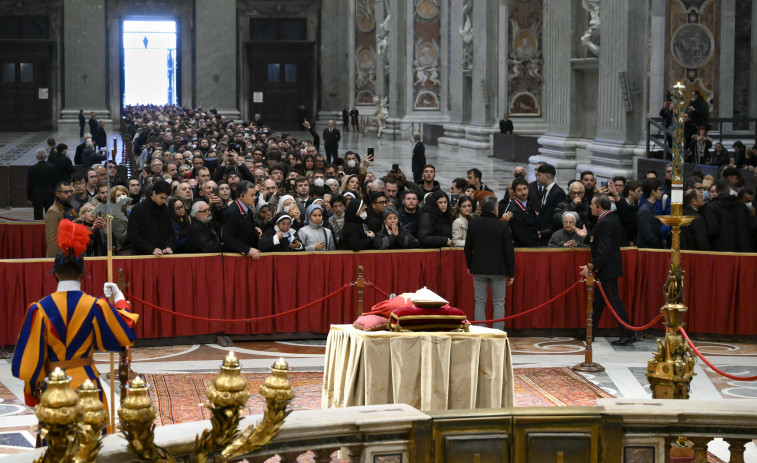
[
  {"x": 381, "y": 203},
  {"x": 179, "y": 206},
  {"x": 203, "y": 211}
]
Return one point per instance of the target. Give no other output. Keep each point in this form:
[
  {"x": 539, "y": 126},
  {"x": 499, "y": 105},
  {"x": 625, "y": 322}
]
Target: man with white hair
[
  {"x": 40, "y": 184},
  {"x": 203, "y": 235}
]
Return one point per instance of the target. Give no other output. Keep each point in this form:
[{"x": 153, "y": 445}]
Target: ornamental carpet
[{"x": 179, "y": 397}]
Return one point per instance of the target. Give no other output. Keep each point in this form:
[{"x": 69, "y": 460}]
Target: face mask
[
  {"x": 351, "y": 163},
  {"x": 319, "y": 182},
  {"x": 613, "y": 206},
  {"x": 749, "y": 204},
  {"x": 363, "y": 215},
  {"x": 119, "y": 197},
  {"x": 706, "y": 195}
]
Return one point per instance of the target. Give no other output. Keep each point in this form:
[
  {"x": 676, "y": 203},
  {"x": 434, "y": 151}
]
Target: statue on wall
[
  {"x": 590, "y": 39},
  {"x": 426, "y": 65},
  {"x": 381, "y": 113},
  {"x": 466, "y": 32},
  {"x": 366, "y": 67}
]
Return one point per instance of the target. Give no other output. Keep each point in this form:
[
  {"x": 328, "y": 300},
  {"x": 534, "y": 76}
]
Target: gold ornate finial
[
  {"x": 57, "y": 413},
  {"x": 277, "y": 391},
  {"x": 93, "y": 418},
  {"x": 137, "y": 415},
  {"x": 227, "y": 394}
]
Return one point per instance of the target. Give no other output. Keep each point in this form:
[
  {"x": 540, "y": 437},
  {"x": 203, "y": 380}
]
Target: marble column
[
  {"x": 336, "y": 53},
  {"x": 483, "y": 82},
  {"x": 84, "y": 63},
  {"x": 619, "y": 130},
  {"x": 658, "y": 51},
  {"x": 215, "y": 56},
  {"x": 727, "y": 60},
  {"x": 454, "y": 130},
  {"x": 558, "y": 146}
]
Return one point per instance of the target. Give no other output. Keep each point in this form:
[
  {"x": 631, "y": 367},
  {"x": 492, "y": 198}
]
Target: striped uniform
[{"x": 69, "y": 325}]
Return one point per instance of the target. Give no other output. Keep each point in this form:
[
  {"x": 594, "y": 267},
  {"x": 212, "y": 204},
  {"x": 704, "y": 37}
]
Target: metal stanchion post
[
  {"x": 124, "y": 358},
  {"x": 360, "y": 283},
  {"x": 588, "y": 364}
]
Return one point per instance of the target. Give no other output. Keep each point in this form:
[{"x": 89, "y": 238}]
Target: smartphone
[
  {"x": 371, "y": 152},
  {"x": 215, "y": 191},
  {"x": 396, "y": 167},
  {"x": 603, "y": 184},
  {"x": 453, "y": 199}
]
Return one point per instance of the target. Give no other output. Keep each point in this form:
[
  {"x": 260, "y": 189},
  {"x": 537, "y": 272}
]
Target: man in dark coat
[
  {"x": 490, "y": 257},
  {"x": 694, "y": 236},
  {"x": 149, "y": 228},
  {"x": 649, "y": 227},
  {"x": 239, "y": 231},
  {"x": 605, "y": 240},
  {"x": 92, "y": 123},
  {"x": 202, "y": 235},
  {"x": 729, "y": 222},
  {"x": 331, "y": 138},
  {"x": 40, "y": 184},
  {"x": 99, "y": 135},
  {"x": 551, "y": 196},
  {"x": 419, "y": 158},
  {"x": 506, "y": 125},
  {"x": 63, "y": 165},
  {"x": 524, "y": 224},
  {"x": 82, "y": 123}
]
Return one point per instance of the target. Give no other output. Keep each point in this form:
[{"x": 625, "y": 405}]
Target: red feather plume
[{"x": 73, "y": 237}]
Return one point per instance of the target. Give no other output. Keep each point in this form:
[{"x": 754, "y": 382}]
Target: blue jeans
[{"x": 481, "y": 285}]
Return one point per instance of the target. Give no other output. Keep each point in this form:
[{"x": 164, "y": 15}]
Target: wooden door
[
  {"x": 282, "y": 76},
  {"x": 25, "y": 93}
]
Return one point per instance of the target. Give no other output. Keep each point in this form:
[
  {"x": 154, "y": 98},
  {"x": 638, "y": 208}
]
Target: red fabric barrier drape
[
  {"x": 22, "y": 240},
  {"x": 719, "y": 288}
]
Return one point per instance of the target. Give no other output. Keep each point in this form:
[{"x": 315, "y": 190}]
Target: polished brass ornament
[
  {"x": 137, "y": 416},
  {"x": 227, "y": 395},
  {"x": 93, "y": 418},
  {"x": 58, "y": 413},
  {"x": 277, "y": 391}
]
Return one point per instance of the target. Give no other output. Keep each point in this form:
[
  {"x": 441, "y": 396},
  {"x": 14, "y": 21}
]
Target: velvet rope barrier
[
  {"x": 615, "y": 314},
  {"x": 380, "y": 291},
  {"x": 540, "y": 306},
  {"x": 716, "y": 369},
  {"x": 235, "y": 320},
  {"x": 14, "y": 220}
]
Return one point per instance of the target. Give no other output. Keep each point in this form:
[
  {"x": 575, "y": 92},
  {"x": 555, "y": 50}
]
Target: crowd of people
[{"x": 207, "y": 184}]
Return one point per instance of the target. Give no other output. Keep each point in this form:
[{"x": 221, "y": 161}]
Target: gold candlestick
[{"x": 671, "y": 369}]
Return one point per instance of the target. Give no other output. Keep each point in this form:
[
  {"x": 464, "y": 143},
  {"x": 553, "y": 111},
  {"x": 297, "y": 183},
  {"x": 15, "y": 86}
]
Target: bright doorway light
[{"x": 149, "y": 62}]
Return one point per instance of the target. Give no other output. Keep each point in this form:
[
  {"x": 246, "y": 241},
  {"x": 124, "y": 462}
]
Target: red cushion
[
  {"x": 385, "y": 308},
  {"x": 370, "y": 323},
  {"x": 420, "y": 319}
]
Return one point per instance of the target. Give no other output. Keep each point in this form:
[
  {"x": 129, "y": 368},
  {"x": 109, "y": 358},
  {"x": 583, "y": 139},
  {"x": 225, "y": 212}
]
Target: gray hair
[
  {"x": 41, "y": 154},
  {"x": 196, "y": 208},
  {"x": 489, "y": 204}
]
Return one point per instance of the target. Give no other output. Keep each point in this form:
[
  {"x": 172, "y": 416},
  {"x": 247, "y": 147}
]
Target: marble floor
[{"x": 623, "y": 376}]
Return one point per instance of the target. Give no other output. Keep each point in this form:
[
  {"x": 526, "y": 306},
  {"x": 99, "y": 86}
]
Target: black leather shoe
[{"x": 623, "y": 342}]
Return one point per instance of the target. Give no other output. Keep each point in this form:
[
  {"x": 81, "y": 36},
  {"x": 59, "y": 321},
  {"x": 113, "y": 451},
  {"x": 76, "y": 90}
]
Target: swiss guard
[{"x": 64, "y": 329}]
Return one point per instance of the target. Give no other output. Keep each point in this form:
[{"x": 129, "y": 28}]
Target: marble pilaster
[
  {"x": 454, "y": 131},
  {"x": 337, "y": 87},
  {"x": 84, "y": 69},
  {"x": 215, "y": 56},
  {"x": 727, "y": 58},
  {"x": 753, "y": 64},
  {"x": 618, "y": 129},
  {"x": 558, "y": 147},
  {"x": 658, "y": 51}
]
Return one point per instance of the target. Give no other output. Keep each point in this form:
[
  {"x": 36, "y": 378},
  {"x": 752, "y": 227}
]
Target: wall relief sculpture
[
  {"x": 525, "y": 60},
  {"x": 590, "y": 39},
  {"x": 692, "y": 45}
]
